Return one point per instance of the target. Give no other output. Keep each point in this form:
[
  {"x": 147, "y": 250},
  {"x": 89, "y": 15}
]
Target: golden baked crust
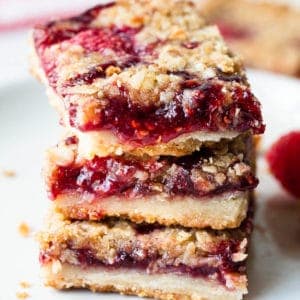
[
  {"x": 265, "y": 34},
  {"x": 224, "y": 211},
  {"x": 104, "y": 144}
]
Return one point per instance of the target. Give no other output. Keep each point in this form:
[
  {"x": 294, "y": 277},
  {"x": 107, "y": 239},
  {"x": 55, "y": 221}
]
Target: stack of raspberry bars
[{"x": 152, "y": 183}]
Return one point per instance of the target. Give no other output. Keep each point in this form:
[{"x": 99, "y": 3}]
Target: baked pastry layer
[
  {"x": 266, "y": 34},
  {"x": 145, "y": 73},
  {"x": 217, "y": 257},
  {"x": 134, "y": 282},
  {"x": 227, "y": 210}
]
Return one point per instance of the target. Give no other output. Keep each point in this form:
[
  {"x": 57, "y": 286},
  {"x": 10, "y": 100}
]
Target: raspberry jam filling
[
  {"x": 221, "y": 262},
  {"x": 206, "y": 109},
  {"x": 200, "y": 174}
]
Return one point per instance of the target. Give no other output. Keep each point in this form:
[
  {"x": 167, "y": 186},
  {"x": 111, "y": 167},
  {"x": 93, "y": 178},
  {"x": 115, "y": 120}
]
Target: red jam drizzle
[
  {"x": 78, "y": 31},
  {"x": 120, "y": 40},
  {"x": 99, "y": 71}
]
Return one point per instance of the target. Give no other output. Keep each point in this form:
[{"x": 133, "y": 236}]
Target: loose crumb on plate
[
  {"x": 24, "y": 284},
  {"x": 22, "y": 295},
  {"x": 24, "y": 229},
  {"x": 9, "y": 173}
]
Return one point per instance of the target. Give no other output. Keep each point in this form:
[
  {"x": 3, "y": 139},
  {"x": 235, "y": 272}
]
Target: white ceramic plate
[{"x": 28, "y": 126}]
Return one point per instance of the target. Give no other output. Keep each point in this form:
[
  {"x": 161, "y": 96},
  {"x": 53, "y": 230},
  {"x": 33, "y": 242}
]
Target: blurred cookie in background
[{"x": 265, "y": 34}]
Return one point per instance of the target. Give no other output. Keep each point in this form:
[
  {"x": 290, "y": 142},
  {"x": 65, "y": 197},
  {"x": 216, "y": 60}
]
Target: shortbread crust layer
[
  {"x": 133, "y": 282},
  {"x": 227, "y": 210}
]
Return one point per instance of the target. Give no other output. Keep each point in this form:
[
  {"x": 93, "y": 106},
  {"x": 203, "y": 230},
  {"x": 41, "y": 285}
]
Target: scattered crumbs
[
  {"x": 24, "y": 284},
  {"x": 9, "y": 173},
  {"x": 24, "y": 229},
  {"x": 22, "y": 295}
]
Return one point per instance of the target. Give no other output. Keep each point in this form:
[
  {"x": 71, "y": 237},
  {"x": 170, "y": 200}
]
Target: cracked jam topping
[
  {"x": 146, "y": 79},
  {"x": 204, "y": 173}
]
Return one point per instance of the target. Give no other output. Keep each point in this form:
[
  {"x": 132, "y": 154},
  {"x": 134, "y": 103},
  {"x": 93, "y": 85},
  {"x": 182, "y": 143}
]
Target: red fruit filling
[
  {"x": 99, "y": 71},
  {"x": 208, "y": 109},
  {"x": 284, "y": 161},
  {"x": 129, "y": 178},
  {"x": 120, "y": 40}
]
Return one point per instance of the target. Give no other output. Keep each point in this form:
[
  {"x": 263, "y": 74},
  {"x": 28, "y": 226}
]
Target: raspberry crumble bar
[
  {"x": 147, "y": 260},
  {"x": 152, "y": 183},
  {"x": 266, "y": 34},
  {"x": 209, "y": 188},
  {"x": 144, "y": 76}
]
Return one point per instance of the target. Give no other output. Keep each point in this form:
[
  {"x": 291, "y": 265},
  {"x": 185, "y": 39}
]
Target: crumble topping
[
  {"x": 22, "y": 295},
  {"x": 24, "y": 229},
  {"x": 9, "y": 173},
  {"x": 25, "y": 284}
]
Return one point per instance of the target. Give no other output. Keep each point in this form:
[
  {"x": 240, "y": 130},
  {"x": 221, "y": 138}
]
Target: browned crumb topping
[
  {"x": 24, "y": 284},
  {"x": 24, "y": 229},
  {"x": 9, "y": 173},
  {"x": 22, "y": 295}
]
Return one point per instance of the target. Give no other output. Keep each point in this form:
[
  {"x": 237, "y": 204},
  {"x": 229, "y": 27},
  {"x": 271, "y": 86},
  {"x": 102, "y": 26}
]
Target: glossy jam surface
[
  {"x": 132, "y": 121},
  {"x": 117, "y": 176},
  {"x": 208, "y": 109}
]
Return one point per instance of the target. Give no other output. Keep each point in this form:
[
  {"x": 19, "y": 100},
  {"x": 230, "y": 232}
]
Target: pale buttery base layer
[
  {"x": 104, "y": 143},
  {"x": 135, "y": 282},
  {"x": 227, "y": 210}
]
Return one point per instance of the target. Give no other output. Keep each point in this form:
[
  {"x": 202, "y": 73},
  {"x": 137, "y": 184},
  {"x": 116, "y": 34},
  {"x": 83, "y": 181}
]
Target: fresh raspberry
[{"x": 284, "y": 161}]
